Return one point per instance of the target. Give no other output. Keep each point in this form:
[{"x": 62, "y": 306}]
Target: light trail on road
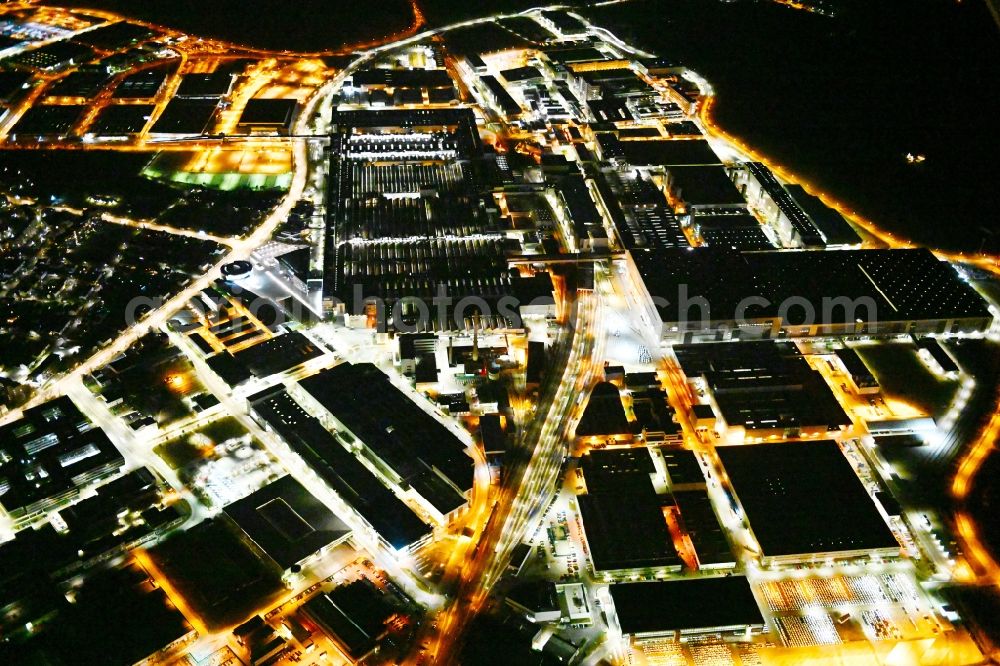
[{"x": 529, "y": 489}]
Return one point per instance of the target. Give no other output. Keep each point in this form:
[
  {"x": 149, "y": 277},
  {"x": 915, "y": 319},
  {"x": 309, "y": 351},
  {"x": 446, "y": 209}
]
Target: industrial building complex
[{"x": 475, "y": 343}]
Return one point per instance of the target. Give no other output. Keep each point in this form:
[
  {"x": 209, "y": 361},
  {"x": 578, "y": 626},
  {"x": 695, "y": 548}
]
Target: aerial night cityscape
[{"x": 621, "y": 332}]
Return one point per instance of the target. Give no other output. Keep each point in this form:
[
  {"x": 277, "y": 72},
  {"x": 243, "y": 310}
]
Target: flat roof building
[
  {"x": 686, "y": 607},
  {"x": 568, "y": 26},
  {"x": 499, "y": 96},
  {"x": 48, "y": 121},
  {"x": 683, "y": 469},
  {"x": 476, "y": 62},
  {"x": 761, "y": 188},
  {"x": 746, "y": 239},
  {"x": 214, "y": 85},
  {"x": 399, "y": 78},
  {"x": 610, "y": 110},
  {"x": 700, "y": 187},
  {"x": 654, "y": 418},
  {"x": 287, "y": 523},
  {"x": 936, "y": 357},
  {"x": 804, "y": 502},
  {"x": 144, "y": 84},
  {"x": 391, "y": 520},
  {"x": 536, "y": 363},
  {"x": 736, "y": 230},
  {"x": 536, "y": 600},
  {"x": 493, "y": 436},
  {"x": 586, "y": 220},
  {"x": 397, "y": 271},
  {"x": 411, "y": 448},
  {"x": 226, "y": 366},
  {"x": 639, "y": 212},
  {"x": 638, "y": 539},
  {"x": 621, "y": 544},
  {"x": 698, "y": 522},
  {"x": 412, "y": 348},
  {"x": 278, "y": 354},
  {"x": 82, "y": 83},
  {"x": 836, "y": 231},
  {"x": 121, "y": 120},
  {"x": 598, "y": 83},
  {"x": 53, "y": 56},
  {"x": 574, "y": 53},
  {"x": 609, "y": 470},
  {"x": 521, "y": 74},
  {"x": 862, "y": 380},
  {"x": 717, "y": 294},
  {"x": 763, "y": 388},
  {"x": 48, "y": 455},
  {"x": 462, "y": 122},
  {"x": 268, "y": 116},
  {"x": 355, "y": 615},
  {"x": 28, "y": 592},
  {"x": 657, "y": 153},
  {"x": 406, "y": 219},
  {"x": 185, "y": 116}
]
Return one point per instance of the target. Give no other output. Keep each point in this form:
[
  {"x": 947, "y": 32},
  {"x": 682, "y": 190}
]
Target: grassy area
[
  {"x": 904, "y": 377},
  {"x": 180, "y": 453},
  {"x": 189, "y": 448},
  {"x": 231, "y": 181},
  {"x": 232, "y": 170},
  {"x": 223, "y": 430}
]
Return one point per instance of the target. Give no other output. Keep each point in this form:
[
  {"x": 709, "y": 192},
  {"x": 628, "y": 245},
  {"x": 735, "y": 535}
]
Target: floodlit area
[{"x": 226, "y": 169}]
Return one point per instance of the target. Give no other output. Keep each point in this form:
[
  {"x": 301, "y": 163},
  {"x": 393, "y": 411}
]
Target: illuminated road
[
  {"x": 163, "y": 228},
  {"x": 531, "y": 482},
  {"x": 129, "y": 222}
]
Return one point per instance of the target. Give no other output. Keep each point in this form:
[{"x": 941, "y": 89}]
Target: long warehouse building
[{"x": 711, "y": 294}]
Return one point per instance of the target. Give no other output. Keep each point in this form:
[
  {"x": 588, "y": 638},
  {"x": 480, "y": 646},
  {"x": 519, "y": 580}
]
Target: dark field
[
  {"x": 485, "y": 38},
  {"x": 443, "y": 12},
  {"x": 299, "y": 25},
  {"x": 71, "y": 177}
]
